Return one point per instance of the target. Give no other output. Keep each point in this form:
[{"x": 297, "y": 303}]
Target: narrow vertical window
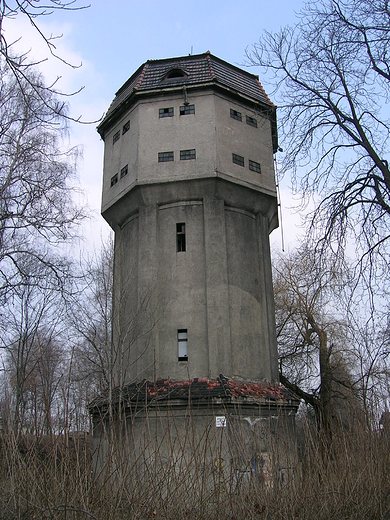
[
  {"x": 116, "y": 137},
  {"x": 126, "y": 127},
  {"x": 114, "y": 180},
  {"x": 182, "y": 344},
  {"x": 235, "y": 115},
  {"x": 254, "y": 166},
  {"x": 181, "y": 237},
  {"x": 238, "y": 159},
  {"x": 124, "y": 171}
]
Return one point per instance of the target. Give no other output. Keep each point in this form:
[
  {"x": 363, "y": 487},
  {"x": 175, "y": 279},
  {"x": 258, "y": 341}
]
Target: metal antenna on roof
[
  {"x": 192, "y": 50},
  {"x": 279, "y": 199}
]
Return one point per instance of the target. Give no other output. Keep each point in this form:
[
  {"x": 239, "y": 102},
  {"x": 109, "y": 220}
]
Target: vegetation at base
[{"x": 53, "y": 478}]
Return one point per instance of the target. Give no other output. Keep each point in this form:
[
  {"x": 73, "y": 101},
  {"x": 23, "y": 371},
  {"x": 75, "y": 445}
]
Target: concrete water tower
[{"x": 189, "y": 190}]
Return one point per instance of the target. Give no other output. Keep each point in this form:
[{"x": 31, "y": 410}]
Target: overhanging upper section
[{"x": 202, "y": 70}]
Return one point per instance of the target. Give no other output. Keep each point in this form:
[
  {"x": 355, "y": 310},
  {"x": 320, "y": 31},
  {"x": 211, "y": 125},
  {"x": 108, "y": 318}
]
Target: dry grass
[{"x": 53, "y": 479}]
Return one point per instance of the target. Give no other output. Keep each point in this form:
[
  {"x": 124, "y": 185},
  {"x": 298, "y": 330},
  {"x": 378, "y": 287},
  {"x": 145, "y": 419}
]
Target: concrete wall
[
  {"x": 256, "y": 442},
  {"x": 220, "y": 288},
  {"x": 251, "y": 143},
  {"x": 211, "y": 131},
  {"x": 117, "y": 155}
]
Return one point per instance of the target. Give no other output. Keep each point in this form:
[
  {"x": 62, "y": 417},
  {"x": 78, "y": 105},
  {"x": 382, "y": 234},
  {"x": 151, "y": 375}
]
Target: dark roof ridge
[
  {"x": 130, "y": 79},
  {"x": 264, "y": 92},
  {"x": 141, "y": 76},
  {"x": 208, "y": 55}
]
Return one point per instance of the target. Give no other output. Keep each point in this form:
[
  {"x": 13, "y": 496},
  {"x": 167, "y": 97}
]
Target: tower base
[{"x": 216, "y": 433}]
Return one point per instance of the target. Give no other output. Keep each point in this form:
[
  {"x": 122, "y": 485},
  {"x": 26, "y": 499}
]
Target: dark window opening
[
  {"x": 165, "y": 156},
  {"x": 116, "y": 137},
  {"x": 114, "y": 179},
  {"x": 176, "y": 73},
  {"x": 124, "y": 171},
  {"x": 254, "y": 166},
  {"x": 187, "y": 155},
  {"x": 251, "y": 121},
  {"x": 237, "y": 159},
  {"x": 126, "y": 127},
  {"x": 187, "y": 109},
  {"x": 165, "y": 112},
  {"x": 181, "y": 237},
  {"x": 182, "y": 344},
  {"x": 235, "y": 115}
]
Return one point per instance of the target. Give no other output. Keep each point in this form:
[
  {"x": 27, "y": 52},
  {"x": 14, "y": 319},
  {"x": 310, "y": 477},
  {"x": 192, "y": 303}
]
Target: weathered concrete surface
[
  {"x": 220, "y": 288},
  {"x": 218, "y": 432}
]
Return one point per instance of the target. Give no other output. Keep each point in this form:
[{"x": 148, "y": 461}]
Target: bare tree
[
  {"x": 31, "y": 325},
  {"x": 102, "y": 343},
  {"x": 331, "y": 74},
  {"x": 18, "y": 64},
  {"x": 311, "y": 331},
  {"x": 37, "y": 212},
  {"x": 91, "y": 319},
  {"x": 370, "y": 356}
]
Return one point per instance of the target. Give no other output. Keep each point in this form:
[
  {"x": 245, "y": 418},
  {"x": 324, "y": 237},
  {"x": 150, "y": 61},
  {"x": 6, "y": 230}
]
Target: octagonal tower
[{"x": 189, "y": 190}]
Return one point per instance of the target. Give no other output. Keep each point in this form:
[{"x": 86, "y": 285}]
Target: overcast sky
[{"x": 112, "y": 39}]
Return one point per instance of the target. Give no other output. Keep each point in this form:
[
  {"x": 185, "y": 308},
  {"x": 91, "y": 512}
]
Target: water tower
[{"x": 189, "y": 190}]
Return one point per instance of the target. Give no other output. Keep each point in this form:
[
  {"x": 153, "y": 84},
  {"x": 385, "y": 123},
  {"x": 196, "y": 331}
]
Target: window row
[
  {"x": 251, "y": 121},
  {"x": 185, "y": 110},
  {"x": 185, "y": 155},
  {"x": 124, "y": 171},
  {"x": 117, "y": 135},
  {"x": 253, "y": 165}
]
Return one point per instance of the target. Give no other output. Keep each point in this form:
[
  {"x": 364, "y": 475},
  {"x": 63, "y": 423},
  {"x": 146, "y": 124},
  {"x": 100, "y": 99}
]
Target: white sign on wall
[{"x": 220, "y": 421}]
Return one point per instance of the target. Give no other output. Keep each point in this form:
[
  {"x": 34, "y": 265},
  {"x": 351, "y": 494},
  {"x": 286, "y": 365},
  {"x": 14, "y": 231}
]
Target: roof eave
[{"x": 110, "y": 119}]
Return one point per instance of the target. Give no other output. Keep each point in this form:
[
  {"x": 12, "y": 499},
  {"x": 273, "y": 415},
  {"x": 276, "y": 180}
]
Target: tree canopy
[
  {"x": 36, "y": 180},
  {"x": 331, "y": 74},
  {"x": 20, "y": 65}
]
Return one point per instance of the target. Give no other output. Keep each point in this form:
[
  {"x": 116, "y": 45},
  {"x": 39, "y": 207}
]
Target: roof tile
[
  {"x": 196, "y": 389},
  {"x": 199, "y": 69}
]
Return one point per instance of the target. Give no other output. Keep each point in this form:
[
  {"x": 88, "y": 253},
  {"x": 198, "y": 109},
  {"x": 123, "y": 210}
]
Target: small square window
[
  {"x": 237, "y": 159},
  {"x": 235, "y": 115},
  {"x": 185, "y": 110},
  {"x": 165, "y": 156},
  {"x": 124, "y": 171},
  {"x": 251, "y": 121},
  {"x": 254, "y": 166},
  {"x": 187, "y": 155},
  {"x": 116, "y": 137},
  {"x": 114, "y": 179},
  {"x": 126, "y": 127},
  {"x": 182, "y": 344},
  {"x": 165, "y": 112},
  {"x": 180, "y": 237}
]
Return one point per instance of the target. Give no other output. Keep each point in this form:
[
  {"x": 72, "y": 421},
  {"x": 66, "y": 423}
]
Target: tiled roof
[
  {"x": 197, "y": 389},
  {"x": 199, "y": 69}
]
